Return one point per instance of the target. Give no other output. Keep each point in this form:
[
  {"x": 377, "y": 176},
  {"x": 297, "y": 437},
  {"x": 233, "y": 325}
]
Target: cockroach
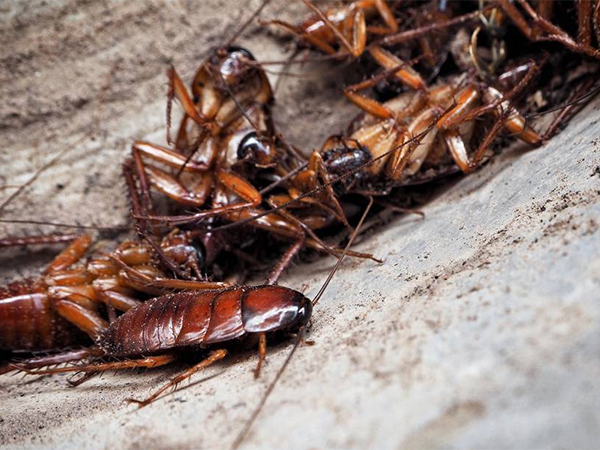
[{"x": 152, "y": 334}]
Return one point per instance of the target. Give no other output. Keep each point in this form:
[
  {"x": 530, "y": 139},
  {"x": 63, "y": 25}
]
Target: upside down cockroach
[{"x": 245, "y": 148}]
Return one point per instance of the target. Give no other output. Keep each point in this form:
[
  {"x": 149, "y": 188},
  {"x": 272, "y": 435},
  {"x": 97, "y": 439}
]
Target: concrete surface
[{"x": 481, "y": 330}]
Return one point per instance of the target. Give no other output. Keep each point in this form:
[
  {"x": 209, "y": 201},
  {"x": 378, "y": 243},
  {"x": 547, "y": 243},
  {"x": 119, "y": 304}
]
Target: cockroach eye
[{"x": 200, "y": 252}]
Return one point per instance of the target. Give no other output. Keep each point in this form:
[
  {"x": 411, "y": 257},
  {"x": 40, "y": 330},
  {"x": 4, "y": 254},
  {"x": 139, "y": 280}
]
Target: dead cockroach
[
  {"x": 242, "y": 164},
  {"x": 401, "y": 138}
]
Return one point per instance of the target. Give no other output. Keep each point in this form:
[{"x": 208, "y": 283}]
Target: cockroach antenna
[
  {"x": 247, "y": 23},
  {"x": 246, "y": 429}
]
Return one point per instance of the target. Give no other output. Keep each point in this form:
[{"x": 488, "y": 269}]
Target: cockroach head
[
  {"x": 233, "y": 63},
  {"x": 234, "y": 50},
  {"x": 275, "y": 308},
  {"x": 256, "y": 149}
]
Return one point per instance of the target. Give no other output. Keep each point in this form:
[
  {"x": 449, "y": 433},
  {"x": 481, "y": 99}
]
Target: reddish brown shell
[
  {"x": 204, "y": 318},
  {"x": 28, "y": 322}
]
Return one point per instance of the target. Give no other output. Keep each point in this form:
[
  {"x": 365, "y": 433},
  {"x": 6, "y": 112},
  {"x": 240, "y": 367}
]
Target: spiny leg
[
  {"x": 285, "y": 261},
  {"x": 148, "y": 362},
  {"x": 212, "y": 358},
  {"x": 262, "y": 353},
  {"x": 52, "y": 360}
]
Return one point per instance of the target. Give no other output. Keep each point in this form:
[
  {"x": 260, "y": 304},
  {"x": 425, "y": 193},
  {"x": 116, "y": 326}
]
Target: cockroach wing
[
  {"x": 194, "y": 319},
  {"x": 226, "y": 317},
  {"x": 270, "y": 308}
]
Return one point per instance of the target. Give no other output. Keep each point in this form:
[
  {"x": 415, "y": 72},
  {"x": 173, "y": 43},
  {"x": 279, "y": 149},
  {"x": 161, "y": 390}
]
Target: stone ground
[{"x": 481, "y": 330}]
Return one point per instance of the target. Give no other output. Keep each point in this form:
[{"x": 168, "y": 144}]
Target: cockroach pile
[{"x": 446, "y": 84}]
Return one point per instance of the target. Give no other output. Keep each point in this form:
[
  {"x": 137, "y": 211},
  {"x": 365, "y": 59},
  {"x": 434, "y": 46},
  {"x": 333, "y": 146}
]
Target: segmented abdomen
[
  {"x": 28, "y": 322},
  {"x": 200, "y": 318}
]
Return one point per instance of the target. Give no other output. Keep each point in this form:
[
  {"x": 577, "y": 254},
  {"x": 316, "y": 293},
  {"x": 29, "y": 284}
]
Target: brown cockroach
[
  {"x": 400, "y": 138},
  {"x": 152, "y": 334},
  {"x": 51, "y": 313}
]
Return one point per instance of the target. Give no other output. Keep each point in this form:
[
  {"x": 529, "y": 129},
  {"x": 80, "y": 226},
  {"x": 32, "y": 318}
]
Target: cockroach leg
[
  {"x": 317, "y": 165},
  {"x": 406, "y": 75},
  {"x": 230, "y": 181},
  {"x": 388, "y": 18},
  {"x": 51, "y": 360},
  {"x": 84, "y": 319},
  {"x": 404, "y": 36},
  {"x": 74, "y": 382},
  {"x": 180, "y": 92},
  {"x": 69, "y": 256},
  {"x": 147, "y": 362},
  {"x": 547, "y": 30},
  {"x": 285, "y": 261},
  {"x": 573, "y": 106},
  {"x": 212, "y": 358},
  {"x": 309, "y": 38},
  {"x": 262, "y": 353},
  {"x": 367, "y": 104},
  {"x": 168, "y": 157}
]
